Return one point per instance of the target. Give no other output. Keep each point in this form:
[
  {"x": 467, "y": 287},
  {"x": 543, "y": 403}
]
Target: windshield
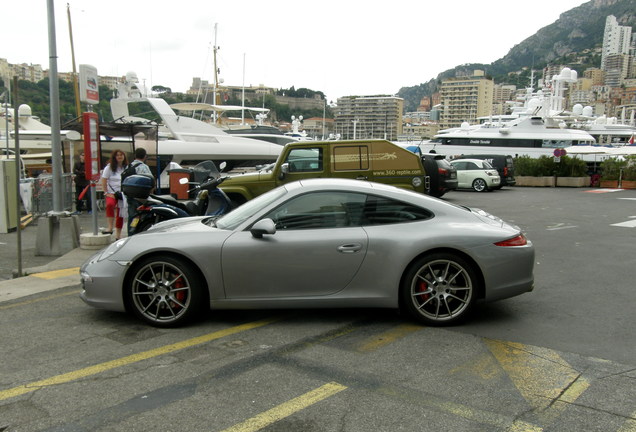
[
  {"x": 205, "y": 169},
  {"x": 236, "y": 217}
]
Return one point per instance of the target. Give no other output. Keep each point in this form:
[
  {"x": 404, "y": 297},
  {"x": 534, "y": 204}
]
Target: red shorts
[{"x": 113, "y": 211}]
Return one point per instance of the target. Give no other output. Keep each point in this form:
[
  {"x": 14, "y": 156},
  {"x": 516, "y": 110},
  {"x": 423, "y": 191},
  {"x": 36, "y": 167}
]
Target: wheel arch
[{"x": 162, "y": 255}]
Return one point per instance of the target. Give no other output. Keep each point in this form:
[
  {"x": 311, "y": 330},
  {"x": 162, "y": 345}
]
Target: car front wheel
[
  {"x": 439, "y": 289},
  {"x": 165, "y": 292},
  {"x": 480, "y": 185}
]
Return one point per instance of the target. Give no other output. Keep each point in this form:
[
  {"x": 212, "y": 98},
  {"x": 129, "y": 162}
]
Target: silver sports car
[{"x": 316, "y": 243}]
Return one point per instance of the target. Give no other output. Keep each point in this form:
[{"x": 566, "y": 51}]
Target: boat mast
[{"x": 216, "y": 75}]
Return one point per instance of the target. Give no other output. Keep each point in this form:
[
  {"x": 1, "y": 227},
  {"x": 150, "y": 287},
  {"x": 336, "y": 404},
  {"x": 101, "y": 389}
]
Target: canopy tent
[{"x": 200, "y": 106}]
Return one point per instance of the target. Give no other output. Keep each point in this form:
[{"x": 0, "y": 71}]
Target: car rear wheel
[
  {"x": 480, "y": 185},
  {"x": 439, "y": 289},
  {"x": 165, "y": 292}
]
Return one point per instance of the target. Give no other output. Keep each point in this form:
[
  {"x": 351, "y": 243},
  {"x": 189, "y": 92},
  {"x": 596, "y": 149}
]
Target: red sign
[
  {"x": 559, "y": 152},
  {"x": 91, "y": 145}
]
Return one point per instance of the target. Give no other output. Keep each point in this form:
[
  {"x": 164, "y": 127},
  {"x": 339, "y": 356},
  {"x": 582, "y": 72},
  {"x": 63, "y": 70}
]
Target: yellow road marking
[
  {"x": 288, "y": 408},
  {"x": 388, "y": 337},
  {"x": 125, "y": 361},
  {"x": 521, "y": 426},
  {"x": 54, "y": 274},
  {"x": 546, "y": 381},
  {"x": 499, "y": 421},
  {"x": 629, "y": 425}
]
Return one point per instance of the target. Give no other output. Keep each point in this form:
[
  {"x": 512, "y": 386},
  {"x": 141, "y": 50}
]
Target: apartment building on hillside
[
  {"x": 369, "y": 117},
  {"x": 464, "y": 99}
]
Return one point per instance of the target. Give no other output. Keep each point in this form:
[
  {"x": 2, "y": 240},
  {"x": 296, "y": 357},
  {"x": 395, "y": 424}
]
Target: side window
[
  {"x": 350, "y": 158},
  {"x": 381, "y": 211},
  {"x": 305, "y": 160},
  {"x": 319, "y": 210},
  {"x": 471, "y": 166}
]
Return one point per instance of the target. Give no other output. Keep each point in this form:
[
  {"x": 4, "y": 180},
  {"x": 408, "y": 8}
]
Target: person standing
[
  {"x": 140, "y": 168},
  {"x": 79, "y": 169},
  {"x": 111, "y": 184}
]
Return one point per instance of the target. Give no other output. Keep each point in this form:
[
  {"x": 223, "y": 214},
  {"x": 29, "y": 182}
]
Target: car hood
[
  {"x": 247, "y": 177},
  {"x": 188, "y": 224}
]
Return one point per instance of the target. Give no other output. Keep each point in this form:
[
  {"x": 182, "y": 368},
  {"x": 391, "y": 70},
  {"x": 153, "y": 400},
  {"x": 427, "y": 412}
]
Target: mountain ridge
[{"x": 577, "y": 30}]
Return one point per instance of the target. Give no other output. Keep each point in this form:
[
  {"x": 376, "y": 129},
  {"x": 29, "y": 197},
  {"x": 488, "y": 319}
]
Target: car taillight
[
  {"x": 506, "y": 171},
  {"x": 520, "y": 240},
  {"x": 442, "y": 171}
]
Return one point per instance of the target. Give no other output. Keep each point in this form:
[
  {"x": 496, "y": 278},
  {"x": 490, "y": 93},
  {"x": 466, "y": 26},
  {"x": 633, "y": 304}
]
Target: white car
[{"x": 476, "y": 174}]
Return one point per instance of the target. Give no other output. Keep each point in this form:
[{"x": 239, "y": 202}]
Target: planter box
[
  {"x": 612, "y": 184},
  {"x": 573, "y": 181},
  {"x": 628, "y": 184},
  {"x": 535, "y": 181}
]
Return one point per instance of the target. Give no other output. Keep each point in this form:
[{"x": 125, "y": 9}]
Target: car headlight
[
  {"x": 417, "y": 181},
  {"x": 112, "y": 249}
]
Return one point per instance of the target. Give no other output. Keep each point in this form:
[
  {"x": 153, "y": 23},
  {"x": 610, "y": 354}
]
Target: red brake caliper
[
  {"x": 423, "y": 287},
  {"x": 180, "y": 295}
]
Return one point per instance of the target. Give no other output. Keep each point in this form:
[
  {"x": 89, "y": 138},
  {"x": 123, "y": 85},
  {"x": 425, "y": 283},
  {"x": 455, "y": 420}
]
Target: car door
[
  {"x": 463, "y": 176},
  {"x": 317, "y": 250}
]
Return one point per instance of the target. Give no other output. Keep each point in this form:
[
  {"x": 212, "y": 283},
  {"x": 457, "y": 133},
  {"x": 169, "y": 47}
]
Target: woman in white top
[{"x": 111, "y": 183}]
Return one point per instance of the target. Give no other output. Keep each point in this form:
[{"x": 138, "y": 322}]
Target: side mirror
[
  {"x": 263, "y": 226},
  {"x": 284, "y": 169}
]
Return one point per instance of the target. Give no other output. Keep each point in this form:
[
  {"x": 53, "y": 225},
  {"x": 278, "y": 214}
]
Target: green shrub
[
  {"x": 571, "y": 167},
  {"x": 629, "y": 171},
  {"x": 611, "y": 168},
  {"x": 546, "y": 166}
]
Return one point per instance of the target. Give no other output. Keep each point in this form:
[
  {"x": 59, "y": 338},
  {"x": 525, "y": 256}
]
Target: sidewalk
[{"x": 43, "y": 273}]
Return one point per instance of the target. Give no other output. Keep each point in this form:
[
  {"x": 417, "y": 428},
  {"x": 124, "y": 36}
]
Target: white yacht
[
  {"x": 538, "y": 125},
  {"x": 258, "y": 131},
  {"x": 186, "y": 140},
  {"x": 532, "y": 136}
]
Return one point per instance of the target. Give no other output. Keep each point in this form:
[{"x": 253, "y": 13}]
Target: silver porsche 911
[{"x": 316, "y": 243}]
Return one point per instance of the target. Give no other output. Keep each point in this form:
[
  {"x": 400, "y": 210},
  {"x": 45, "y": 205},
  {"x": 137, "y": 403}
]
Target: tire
[
  {"x": 165, "y": 292},
  {"x": 479, "y": 185},
  {"x": 439, "y": 289},
  {"x": 436, "y": 193}
]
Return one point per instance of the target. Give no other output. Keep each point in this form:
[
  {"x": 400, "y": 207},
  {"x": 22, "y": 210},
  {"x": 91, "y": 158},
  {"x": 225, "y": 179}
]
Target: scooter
[{"x": 209, "y": 201}]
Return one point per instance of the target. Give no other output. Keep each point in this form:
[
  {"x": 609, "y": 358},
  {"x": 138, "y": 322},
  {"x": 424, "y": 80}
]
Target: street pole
[
  {"x": 54, "y": 94},
  {"x": 18, "y": 160}
]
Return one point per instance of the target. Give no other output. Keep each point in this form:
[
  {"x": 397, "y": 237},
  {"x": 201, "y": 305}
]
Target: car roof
[{"x": 467, "y": 160}]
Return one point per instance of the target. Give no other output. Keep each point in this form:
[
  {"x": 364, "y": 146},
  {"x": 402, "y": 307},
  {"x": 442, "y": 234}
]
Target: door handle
[{"x": 350, "y": 248}]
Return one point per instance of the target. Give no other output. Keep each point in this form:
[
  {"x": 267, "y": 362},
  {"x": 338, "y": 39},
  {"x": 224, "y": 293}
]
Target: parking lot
[{"x": 558, "y": 359}]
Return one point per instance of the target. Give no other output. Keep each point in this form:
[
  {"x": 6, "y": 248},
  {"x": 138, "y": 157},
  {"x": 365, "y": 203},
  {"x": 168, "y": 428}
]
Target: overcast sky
[{"x": 339, "y": 47}]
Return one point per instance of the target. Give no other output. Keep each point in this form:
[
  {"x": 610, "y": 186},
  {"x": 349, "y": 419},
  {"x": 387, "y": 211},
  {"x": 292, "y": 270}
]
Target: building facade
[
  {"x": 369, "y": 117},
  {"x": 464, "y": 99},
  {"x": 616, "y": 39}
]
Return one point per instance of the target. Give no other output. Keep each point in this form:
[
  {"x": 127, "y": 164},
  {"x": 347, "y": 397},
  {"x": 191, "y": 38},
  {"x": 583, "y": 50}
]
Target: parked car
[
  {"x": 504, "y": 164},
  {"x": 443, "y": 176},
  {"x": 476, "y": 174},
  {"x": 384, "y": 247}
]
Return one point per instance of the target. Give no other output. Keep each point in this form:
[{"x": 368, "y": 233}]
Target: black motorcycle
[{"x": 209, "y": 200}]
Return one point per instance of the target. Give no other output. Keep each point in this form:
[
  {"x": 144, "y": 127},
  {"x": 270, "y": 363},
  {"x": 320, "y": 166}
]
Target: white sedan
[{"x": 476, "y": 174}]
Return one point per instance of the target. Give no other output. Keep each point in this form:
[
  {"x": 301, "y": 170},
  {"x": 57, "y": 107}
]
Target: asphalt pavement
[
  {"x": 40, "y": 272},
  {"x": 558, "y": 359}
]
